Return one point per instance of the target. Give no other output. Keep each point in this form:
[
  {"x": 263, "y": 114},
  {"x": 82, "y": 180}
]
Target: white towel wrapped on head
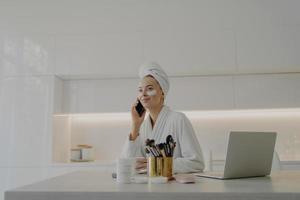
[{"x": 154, "y": 69}]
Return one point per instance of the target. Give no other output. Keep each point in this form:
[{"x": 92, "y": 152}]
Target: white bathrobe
[{"x": 187, "y": 154}]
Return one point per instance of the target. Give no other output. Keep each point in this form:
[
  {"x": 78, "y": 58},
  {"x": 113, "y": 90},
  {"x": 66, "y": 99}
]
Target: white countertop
[{"x": 100, "y": 185}]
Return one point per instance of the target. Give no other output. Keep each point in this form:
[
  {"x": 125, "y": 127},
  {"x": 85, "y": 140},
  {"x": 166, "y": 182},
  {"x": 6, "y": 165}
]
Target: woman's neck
[{"x": 154, "y": 112}]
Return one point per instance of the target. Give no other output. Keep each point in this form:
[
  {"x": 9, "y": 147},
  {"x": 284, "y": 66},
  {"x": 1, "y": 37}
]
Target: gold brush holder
[
  {"x": 160, "y": 166},
  {"x": 167, "y": 167},
  {"x": 151, "y": 166}
]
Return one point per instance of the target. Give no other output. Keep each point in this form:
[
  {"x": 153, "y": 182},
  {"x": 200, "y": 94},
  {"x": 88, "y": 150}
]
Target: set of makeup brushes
[{"x": 165, "y": 149}]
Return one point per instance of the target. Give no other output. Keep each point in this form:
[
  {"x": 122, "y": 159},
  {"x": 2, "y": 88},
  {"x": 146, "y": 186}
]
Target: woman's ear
[{"x": 163, "y": 96}]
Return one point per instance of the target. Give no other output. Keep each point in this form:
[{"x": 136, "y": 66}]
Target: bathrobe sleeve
[
  {"x": 191, "y": 159},
  {"x": 134, "y": 148}
]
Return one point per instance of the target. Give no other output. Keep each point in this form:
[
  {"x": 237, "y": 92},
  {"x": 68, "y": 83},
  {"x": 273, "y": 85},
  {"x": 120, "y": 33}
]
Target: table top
[{"x": 97, "y": 184}]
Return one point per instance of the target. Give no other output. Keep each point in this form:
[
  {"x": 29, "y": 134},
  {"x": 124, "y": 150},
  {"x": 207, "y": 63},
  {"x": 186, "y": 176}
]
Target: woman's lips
[{"x": 145, "y": 100}]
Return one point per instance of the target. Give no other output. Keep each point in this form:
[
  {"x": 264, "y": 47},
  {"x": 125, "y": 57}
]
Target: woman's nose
[{"x": 144, "y": 93}]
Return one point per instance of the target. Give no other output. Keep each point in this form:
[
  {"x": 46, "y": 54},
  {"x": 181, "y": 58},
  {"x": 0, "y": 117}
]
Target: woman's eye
[{"x": 150, "y": 88}]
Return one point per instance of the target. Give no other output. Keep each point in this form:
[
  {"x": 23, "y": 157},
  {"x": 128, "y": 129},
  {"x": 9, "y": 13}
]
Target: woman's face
[{"x": 150, "y": 93}]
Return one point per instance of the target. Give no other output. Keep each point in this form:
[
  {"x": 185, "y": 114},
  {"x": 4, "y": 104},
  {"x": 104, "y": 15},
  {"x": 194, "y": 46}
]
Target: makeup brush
[
  {"x": 150, "y": 151},
  {"x": 147, "y": 142},
  {"x": 170, "y": 144},
  {"x": 174, "y": 145},
  {"x": 147, "y": 151},
  {"x": 162, "y": 149},
  {"x": 168, "y": 139},
  {"x": 153, "y": 147},
  {"x": 166, "y": 149},
  {"x": 152, "y": 143},
  {"x": 157, "y": 151}
]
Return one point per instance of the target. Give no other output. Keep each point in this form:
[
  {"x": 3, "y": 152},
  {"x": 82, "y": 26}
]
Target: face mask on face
[{"x": 151, "y": 93}]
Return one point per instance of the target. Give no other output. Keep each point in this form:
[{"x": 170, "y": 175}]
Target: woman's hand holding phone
[{"x": 137, "y": 120}]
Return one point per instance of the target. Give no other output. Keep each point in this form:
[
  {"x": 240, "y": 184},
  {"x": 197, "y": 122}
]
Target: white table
[{"x": 98, "y": 185}]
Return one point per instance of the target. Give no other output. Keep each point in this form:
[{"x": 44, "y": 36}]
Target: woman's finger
[
  {"x": 141, "y": 160},
  {"x": 141, "y": 166},
  {"x": 143, "y": 115}
]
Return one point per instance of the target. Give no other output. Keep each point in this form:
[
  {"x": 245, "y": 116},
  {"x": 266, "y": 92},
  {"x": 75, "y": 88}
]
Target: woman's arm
[
  {"x": 132, "y": 148},
  {"x": 133, "y": 145}
]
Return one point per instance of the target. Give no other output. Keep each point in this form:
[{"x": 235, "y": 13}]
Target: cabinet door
[
  {"x": 201, "y": 93},
  {"x": 265, "y": 91},
  {"x": 103, "y": 55},
  {"x": 26, "y": 107},
  {"x": 192, "y": 52}
]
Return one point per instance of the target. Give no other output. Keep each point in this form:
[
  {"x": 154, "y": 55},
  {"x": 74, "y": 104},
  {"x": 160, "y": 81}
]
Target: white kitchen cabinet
[
  {"x": 92, "y": 96},
  {"x": 101, "y": 55},
  {"x": 5, "y": 125},
  {"x": 266, "y": 91},
  {"x": 268, "y": 49},
  {"x": 26, "y": 113},
  {"x": 201, "y": 93},
  {"x": 297, "y": 89},
  {"x": 192, "y": 52},
  {"x": 23, "y": 54},
  {"x": 187, "y": 93},
  {"x": 3, "y": 181},
  {"x": 265, "y": 13}
]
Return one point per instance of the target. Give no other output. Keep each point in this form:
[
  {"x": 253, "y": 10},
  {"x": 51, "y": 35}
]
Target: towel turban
[{"x": 153, "y": 69}]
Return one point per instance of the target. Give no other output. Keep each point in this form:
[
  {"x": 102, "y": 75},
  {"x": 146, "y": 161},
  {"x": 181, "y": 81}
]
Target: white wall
[{"x": 102, "y": 39}]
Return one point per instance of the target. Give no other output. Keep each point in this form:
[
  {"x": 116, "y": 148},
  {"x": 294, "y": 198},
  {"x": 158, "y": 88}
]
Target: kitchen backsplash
[{"x": 107, "y": 132}]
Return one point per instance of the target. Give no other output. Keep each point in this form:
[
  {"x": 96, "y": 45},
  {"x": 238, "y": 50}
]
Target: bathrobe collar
[{"x": 160, "y": 122}]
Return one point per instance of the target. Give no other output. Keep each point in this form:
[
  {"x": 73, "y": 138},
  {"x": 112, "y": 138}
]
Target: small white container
[
  {"x": 83, "y": 153},
  {"x": 125, "y": 169},
  {"x": 75, "y": 154},
  {"x": 87, "y": 154}
]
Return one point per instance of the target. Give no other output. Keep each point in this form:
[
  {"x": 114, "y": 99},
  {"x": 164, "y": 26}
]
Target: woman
[{"x": 160, "y": 123}]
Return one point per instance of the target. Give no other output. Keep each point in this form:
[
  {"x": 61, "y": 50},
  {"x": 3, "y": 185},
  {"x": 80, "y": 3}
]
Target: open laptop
[{"x": 249, "y": 154}]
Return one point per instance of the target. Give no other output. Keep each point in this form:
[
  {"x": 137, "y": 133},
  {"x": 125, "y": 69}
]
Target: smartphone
[{"x": 140, "y": 108}]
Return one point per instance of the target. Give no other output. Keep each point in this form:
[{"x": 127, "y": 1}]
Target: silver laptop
[{"x": 249, "y": 154}]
